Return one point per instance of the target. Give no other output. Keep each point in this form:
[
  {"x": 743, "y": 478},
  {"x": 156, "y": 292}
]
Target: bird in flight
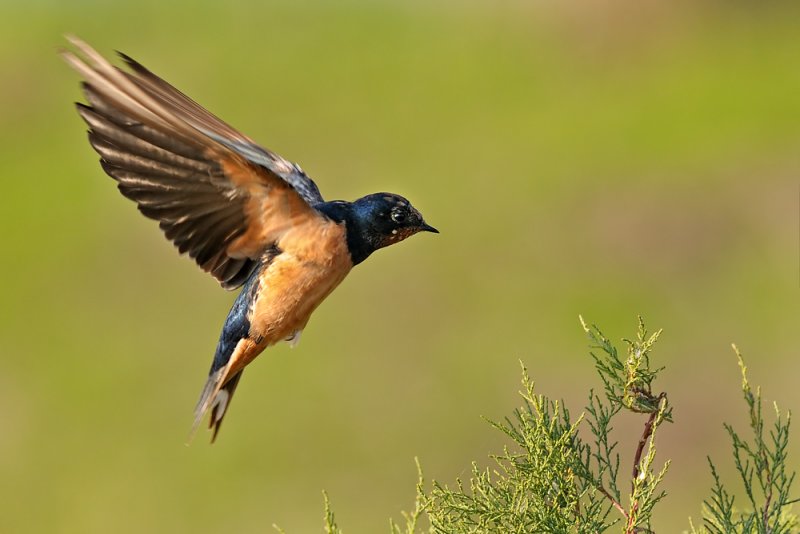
[{"x": 247, "y": 216}]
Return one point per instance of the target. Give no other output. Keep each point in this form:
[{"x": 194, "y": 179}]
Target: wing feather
[{"x": 218, "y": 196}]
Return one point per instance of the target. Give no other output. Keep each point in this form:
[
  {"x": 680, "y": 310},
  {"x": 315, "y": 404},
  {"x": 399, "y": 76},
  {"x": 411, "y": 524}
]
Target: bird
[{"x": 248, "y": 217}]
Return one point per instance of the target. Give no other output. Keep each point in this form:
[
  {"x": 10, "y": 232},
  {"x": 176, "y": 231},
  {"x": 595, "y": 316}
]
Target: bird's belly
[
  {"x": 292, "y": 287},
  {"x": 289, "y": 297}
]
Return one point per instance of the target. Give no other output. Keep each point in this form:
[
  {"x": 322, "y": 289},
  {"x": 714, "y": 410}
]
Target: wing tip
[
  {"x": 132, "y": 63},
  {"x": 73, "y": 39}
]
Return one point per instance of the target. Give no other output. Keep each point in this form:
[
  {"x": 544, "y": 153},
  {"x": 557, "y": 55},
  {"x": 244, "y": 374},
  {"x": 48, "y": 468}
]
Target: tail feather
[
  {"x": 234, "y": 350},
  {"x": 220, "y": 405},
  {"x": 216, "y": 397}
]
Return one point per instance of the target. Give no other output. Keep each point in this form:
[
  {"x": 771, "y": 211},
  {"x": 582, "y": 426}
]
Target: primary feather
[{"x": 218, "y": 196}]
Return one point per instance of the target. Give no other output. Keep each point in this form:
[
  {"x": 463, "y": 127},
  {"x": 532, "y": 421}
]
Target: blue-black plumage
[{"x": 244, "y": 214}]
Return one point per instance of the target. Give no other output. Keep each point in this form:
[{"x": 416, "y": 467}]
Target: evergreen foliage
[
  {"x": 761, "y": 464},
  {"x": 549, "y": 478}
]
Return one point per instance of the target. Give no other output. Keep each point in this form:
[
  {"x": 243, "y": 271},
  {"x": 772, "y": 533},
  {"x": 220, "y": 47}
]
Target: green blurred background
[{"x": 601, "y": 158}]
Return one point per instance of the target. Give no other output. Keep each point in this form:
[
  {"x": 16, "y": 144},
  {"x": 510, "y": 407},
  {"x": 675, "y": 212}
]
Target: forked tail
[{"x": 216, "y": 397}]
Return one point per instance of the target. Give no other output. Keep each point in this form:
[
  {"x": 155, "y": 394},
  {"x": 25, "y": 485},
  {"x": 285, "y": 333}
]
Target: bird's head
[{"x": 384, "y": 219}]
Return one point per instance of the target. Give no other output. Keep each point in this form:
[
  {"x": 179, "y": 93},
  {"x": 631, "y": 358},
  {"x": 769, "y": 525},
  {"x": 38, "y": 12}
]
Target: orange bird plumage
[{"x": 245, "y": 215}]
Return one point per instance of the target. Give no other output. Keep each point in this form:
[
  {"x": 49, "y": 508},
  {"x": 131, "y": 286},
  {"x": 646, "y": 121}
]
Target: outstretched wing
[{"x": 218, "y": 196}]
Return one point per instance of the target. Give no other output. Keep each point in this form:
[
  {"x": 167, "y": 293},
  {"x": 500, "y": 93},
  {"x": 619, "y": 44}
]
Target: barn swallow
[{"x": 244, "y": 214}]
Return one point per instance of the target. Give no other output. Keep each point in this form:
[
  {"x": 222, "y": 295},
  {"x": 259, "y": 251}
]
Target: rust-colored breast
[{"x": 314, "y": 260}]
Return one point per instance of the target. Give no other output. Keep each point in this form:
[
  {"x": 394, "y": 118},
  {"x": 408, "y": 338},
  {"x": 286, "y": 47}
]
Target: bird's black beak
[{"x": 428, "y": 228}]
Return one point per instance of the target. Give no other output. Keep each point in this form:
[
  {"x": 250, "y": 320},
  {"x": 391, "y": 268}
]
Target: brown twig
[
  {"x": 637, "y": 459},
  {"x": 648, "y": 430},
  {"x": 765, "y": 513},
  {"x": 646, "y": 433},
  {"x": 629, "y": 529},
  {"x": 614, "y": 502}
]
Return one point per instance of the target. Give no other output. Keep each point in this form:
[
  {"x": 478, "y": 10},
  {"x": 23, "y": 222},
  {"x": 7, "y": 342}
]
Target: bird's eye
[{"x": 399, "y": 216}]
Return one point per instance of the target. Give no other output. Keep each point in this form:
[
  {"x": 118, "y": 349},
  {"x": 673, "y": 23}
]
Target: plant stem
[
  {"x": 648, "y": 430},
  {"x": 637, "y": 460},
  {"x": 614, "y": 502},
  {"x": 630, "y": 528},
  {"x": 765, "y": 513}
]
